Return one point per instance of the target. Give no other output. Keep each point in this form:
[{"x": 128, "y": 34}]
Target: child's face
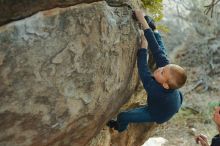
[
  {"x": 216, "y": 115},
  {"x": 162, "y": 75}
]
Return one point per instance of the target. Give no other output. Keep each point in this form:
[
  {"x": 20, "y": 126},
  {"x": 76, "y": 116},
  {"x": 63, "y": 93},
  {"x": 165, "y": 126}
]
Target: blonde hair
[{"x": 179, "y": 77}]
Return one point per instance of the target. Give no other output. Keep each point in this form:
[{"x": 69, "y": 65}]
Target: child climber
[{"x": 164, "y": 98}]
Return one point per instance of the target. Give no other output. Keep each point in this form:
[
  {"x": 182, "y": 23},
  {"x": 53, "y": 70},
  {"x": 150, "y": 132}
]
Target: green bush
[{"x": 155, "y": 7}]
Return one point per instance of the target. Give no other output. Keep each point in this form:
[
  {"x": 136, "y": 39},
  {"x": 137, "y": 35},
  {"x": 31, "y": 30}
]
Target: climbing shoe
[{"x": 112, "y": 124}]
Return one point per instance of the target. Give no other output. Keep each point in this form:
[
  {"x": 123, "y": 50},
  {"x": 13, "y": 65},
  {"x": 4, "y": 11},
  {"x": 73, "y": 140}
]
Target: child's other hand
[
  {"x": 202, "y": 140},
  {"x": 140, "y": 17}
]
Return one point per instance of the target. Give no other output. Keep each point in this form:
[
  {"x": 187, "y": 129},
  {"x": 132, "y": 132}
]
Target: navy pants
[{"x": 137, "y": 115}]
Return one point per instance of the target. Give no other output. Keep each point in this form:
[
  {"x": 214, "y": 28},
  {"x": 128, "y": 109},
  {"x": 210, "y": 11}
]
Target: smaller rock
[{"x": 155, "y": 141}]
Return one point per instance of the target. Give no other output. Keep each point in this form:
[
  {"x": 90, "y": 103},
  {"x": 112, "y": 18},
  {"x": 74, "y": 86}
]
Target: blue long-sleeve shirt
[{"x": 163, "y": 103}]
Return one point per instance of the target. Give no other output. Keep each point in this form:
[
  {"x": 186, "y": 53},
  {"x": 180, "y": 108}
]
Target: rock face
[
  {"x": 136, "y": 135},
  {"x": 11, "y": 10},
  {"x": 64, "y": 72}
]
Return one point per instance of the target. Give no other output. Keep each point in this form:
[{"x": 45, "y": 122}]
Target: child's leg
[{"x": 137, "y": 115}]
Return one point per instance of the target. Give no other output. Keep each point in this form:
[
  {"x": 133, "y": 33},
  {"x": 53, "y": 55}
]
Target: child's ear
[{"x": 166, "y": 86}]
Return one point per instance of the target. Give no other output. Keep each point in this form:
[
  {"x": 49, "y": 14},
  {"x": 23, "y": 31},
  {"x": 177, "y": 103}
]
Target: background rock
[{"x": 64, "y": 72}]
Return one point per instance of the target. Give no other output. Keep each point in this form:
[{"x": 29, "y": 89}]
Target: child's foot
[
  {"x": 150, "y": 22},
  {"x": 112, "y": 124}
]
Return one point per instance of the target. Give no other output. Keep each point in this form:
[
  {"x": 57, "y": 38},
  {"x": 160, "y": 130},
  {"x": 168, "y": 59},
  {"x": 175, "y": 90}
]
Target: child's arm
[
  {"x": 160, "y": 42},
  {"x": 143, "y": 69},
  {"x": 158, "y": 54}
]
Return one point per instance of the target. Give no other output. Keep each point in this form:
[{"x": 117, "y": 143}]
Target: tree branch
[{"x": 210, "y": 7}]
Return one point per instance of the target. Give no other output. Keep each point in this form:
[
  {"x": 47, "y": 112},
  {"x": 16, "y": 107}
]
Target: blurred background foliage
[
  {"x": 155, "y": 7},
  {"x": 156, "y": 10}
]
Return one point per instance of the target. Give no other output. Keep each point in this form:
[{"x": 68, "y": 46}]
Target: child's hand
[
  {"x": 140, "y": 17},
  {"x": 144, "y": 43},
  {"x": 202, "y": 140}
]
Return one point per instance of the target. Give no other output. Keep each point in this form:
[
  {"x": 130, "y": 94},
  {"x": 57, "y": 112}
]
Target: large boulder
[{"x": 64, "y": 72}]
